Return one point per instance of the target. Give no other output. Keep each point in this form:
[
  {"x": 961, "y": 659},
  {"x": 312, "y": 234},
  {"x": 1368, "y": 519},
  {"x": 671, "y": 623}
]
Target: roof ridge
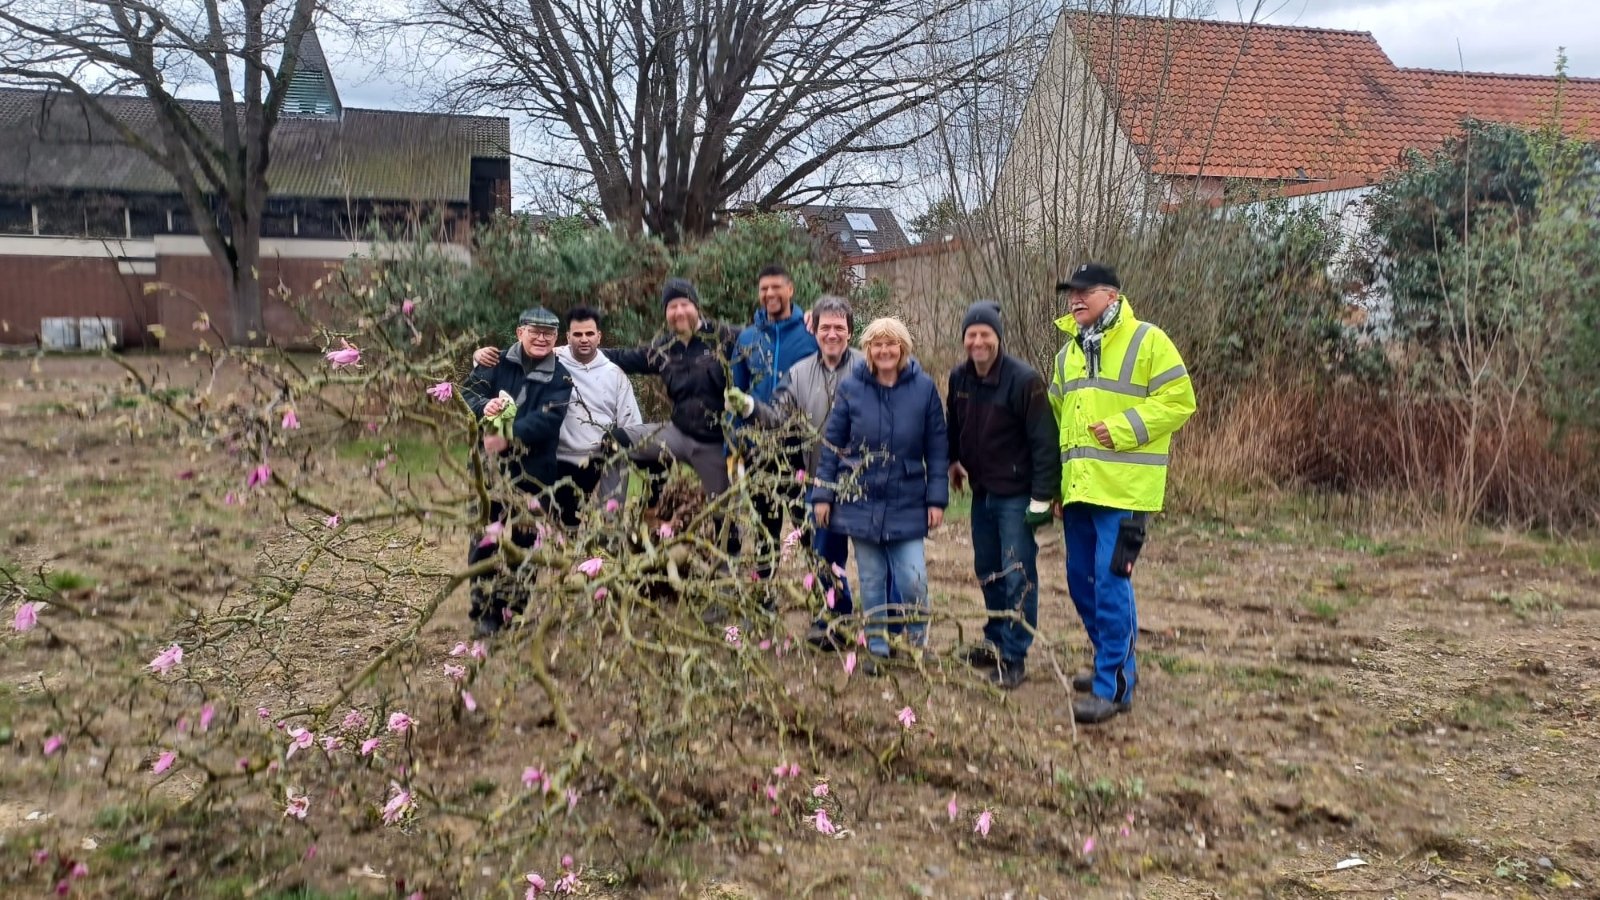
[
  {"x": 1217, "y": 22},
  {"x": 1420, "y": 70}
]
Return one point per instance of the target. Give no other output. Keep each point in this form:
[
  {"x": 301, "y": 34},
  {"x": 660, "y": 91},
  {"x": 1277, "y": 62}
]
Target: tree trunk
[{"x": 244, "y": 293}]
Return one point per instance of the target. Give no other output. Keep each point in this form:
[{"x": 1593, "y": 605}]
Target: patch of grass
[
  {"x": 1341, "y": 576},
  {"x": 1173, "y": 664},
  {"x": 1527, "y": 604},
  {"x": 1320, "y": 608},
  {"x": 411, "y": 455},
  {"x": 64, "y": 581},
  {"x": 1261, "y": 678},
  {"x": 1357, "y": 543},
  {"x": 960, "y": 508},
  {"x": 1491, "y": 711}
]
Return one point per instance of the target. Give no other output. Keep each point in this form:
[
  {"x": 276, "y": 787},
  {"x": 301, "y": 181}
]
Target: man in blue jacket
[
  {"x": 765, "y": 350},
  {"x": 541, "y": 388}
]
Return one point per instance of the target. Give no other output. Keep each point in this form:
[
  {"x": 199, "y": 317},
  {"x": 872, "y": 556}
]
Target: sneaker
[
  {"x": 1009, "y": 674},
  {"x": 821, "y": 638},
  {"x": 981, "y": 656},
  {"x": 1094, "y": 709},
  {"x": 1083, "y": 681}
]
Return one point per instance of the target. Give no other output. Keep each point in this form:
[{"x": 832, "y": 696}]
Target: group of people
[{"x": 881, "y": 452}]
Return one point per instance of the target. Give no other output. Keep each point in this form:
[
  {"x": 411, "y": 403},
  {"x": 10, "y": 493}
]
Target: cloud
[{"x": 1508, "y": 36}]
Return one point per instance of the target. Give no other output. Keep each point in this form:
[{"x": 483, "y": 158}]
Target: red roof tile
[{"x": 1236, "y": 100}]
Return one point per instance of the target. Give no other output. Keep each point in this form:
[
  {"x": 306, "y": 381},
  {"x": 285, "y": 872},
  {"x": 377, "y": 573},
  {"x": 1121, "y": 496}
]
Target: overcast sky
[{"x": 1509, "y": 36}]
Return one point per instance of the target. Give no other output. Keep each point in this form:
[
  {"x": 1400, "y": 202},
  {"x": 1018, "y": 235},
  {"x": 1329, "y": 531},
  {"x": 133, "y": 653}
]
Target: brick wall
[
  {"x": 192, "y": 284},
  {"x": 33, "y": 288}
]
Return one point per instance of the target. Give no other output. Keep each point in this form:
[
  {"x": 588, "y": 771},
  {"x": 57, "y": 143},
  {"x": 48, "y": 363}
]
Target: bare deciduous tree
[
  {"x": 241, "y": 51},
  {"x": 677, "y": 109}
]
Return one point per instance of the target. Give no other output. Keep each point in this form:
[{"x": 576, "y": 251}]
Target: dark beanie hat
[
  {"x": 679, "y": 287},
  {"x": 982, "y": 312}
]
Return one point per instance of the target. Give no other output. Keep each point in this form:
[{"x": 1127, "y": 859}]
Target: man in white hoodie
[{"x": 602, "y": 404}]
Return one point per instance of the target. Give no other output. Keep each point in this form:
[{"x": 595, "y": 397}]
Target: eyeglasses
[{"x": 538, "y": 330}]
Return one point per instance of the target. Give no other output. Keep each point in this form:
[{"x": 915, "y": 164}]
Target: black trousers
[
  {"x": 495, "y": 594},
  {"x": 779, "y": 493},
  {"x": 575, "y": 486}
]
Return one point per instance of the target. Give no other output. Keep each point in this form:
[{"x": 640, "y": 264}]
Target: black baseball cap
[{"x": 1090, "y": 275}]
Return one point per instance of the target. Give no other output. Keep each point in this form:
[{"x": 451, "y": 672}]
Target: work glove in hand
[
  {"x": 1038, "y": 514},
  {"x": 739, "y": 401}
]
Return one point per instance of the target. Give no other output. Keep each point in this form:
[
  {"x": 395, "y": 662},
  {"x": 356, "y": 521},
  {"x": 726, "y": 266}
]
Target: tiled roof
[
  {"x": 49, "y": 141},
  {"x": 847, "y": 225},
  {"x": 1235, "y": 100}
]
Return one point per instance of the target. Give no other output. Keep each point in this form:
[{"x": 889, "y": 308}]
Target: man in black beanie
[{"x": 1002, "y": 443}]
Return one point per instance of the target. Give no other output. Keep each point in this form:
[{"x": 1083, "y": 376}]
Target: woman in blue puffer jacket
[{"x": 882, "y": 479}]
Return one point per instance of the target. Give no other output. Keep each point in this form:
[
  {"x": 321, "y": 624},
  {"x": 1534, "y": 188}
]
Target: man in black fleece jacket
[{"x": 1003, "y": 441}]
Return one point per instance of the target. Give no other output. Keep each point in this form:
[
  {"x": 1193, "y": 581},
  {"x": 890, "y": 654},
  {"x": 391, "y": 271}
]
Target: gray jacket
[{"x": 807, "y": 389}]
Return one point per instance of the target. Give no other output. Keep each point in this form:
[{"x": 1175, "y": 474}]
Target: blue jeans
[
  {"x": 1005, "y": 557},
  {"x": 1104, "y": 600},
  {"x": 904, "y": 562},
  {"x": 833, "y": 549}
]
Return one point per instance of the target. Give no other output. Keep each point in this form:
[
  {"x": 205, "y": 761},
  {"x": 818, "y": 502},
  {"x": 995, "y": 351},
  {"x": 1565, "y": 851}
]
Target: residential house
[
  {"x": 860, "y": 230},
  {"x": 92, "y": 228}
]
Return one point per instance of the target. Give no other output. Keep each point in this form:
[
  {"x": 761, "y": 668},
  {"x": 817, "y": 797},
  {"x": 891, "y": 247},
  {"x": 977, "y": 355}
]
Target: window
[
  {"x": 860, "y": 222},
  {"x": 16, "y": 216},
  {"x": 863, "y": 242}
]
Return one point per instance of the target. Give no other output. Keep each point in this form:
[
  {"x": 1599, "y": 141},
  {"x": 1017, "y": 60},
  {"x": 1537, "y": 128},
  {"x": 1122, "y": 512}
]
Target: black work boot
[
  {"x": 1094, "y": 709},
  {"x": 980, "y": 656},
  {"x": 1009, "y": 674},
  {"x": 1083, "y": 681},
  {"x": 822, "y": 638}
]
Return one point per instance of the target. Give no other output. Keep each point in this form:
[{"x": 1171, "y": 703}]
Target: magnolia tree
[{"x": 331, "y": 703}]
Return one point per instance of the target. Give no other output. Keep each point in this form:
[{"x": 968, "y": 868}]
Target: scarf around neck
[{"x": 1091, "y": 335}]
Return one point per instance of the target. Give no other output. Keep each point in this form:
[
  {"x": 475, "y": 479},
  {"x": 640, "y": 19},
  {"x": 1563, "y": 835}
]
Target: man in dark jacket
[
  {"x": 1002, "y": 442},
  {"x": 692, "y": 361},
  {"x": 541, "y": 388}
]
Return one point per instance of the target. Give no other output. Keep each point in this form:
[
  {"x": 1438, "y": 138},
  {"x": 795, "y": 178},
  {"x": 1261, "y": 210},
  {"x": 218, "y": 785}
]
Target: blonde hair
[{"x": 889, "y": 327}]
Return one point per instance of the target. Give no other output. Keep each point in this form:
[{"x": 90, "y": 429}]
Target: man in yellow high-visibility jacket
[{"x": 1119, "y": 390}]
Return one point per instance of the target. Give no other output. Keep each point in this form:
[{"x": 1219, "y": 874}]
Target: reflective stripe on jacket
[{"x": 1142, "y": 393}]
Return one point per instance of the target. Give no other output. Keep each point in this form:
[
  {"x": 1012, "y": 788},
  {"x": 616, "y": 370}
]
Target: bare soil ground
[{"x": 1314, "y": 688}]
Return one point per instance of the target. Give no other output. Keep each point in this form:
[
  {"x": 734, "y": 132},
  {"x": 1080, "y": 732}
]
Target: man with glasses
[
  {"x": 1119, "y": 390},
  {"x": 532, "y": 376}
]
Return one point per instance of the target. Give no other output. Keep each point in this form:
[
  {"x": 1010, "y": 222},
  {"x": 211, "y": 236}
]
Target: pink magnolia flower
[
  {"x": 792, "y": 538},
  {"x": 838, "y": 571},
  {"x": 829, "y": 598},
  {"x": 331, "y": 521},
  {"x": 207, "y": 713},
  {"x": 772, "y": 792},
  {"x": 454, "y": 672},
  {"x": 535, "y": 885},
  {"x": 259, "y": 476},
  {"x": 731, "y": 635},
  {"x": 291, "y": 422},
  {"x": 346, "y": 356},
  {"x": 407, "y": 307},
  {"x": 532, "y": 775},
  {"x": 800, "y": 476},
  {"x": 568, "y": 884},
  {"x": 766, "y": 644},
  {"x": 850, "y": 662},
  {"x": 469, "y": 702},
  {"x": 230, "y": 499},
  {"x": 491, "y": 534},
  {"x": 906, "y": 717},
  {"x": 1123, "y": 831},
  {"x": 300, "y": 739},
  {"x": 572, "y": 799},
  {"x": 534, "y": 506},
  {"x": 566, "y": 861},
  {"x": 369, "y": 745},
  {"x": 40, "y": 856},
  {"x": 53, "y": 743},
  {"x": 982, "y": 823},
  {"x": 665, "y": 531},
  {"x": 442, "y": 392},
  {"x": 823, "y": 825},
  {"x": 297, "y": 806},
  {"x": 331, "y": 742},
  {"x": 399, "y": 806},
  {"x": 476, "y": 650},
  {"x": 80, "y": 870},
  {"x": 809, "y": 581},
  {"x": 951, "y": 809},
  {"x": 166, "y": 659},
  {"x": 400, "y": 723},
  {"x": 600, "y": 593},
  {"x": 591, "y": 566},
  {"x": 27, "y": 616},
  {"x": 163, "y": 762},
  {"x": 820, "y": 790},
  {"x": 263, "y": 713},
  {"x": 612, "y": 505},
  {"x": 1088, "y": 845},
  {"x": 353, "y": 720}
]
